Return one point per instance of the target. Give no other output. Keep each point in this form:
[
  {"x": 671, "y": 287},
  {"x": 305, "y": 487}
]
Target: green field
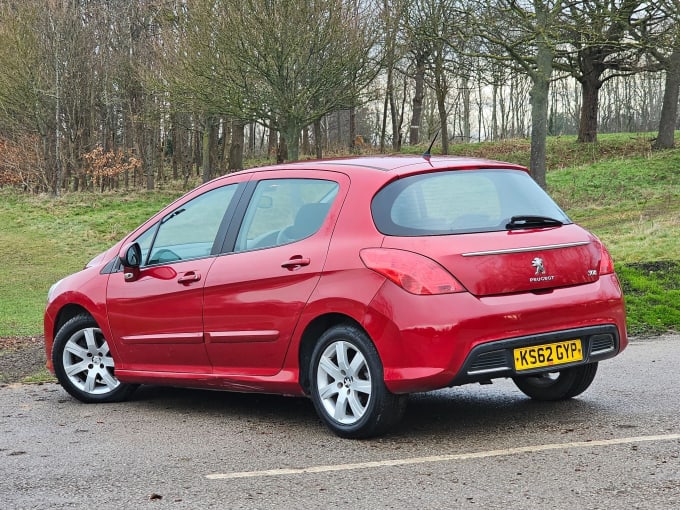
[{"x": 618, "y": 188}]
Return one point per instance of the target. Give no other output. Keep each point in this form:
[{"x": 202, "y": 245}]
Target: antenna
[{"x": 427, "y": 153}]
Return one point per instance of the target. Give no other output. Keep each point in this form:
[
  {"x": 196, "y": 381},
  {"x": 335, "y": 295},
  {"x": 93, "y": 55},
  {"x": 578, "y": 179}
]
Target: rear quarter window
[{"x": 461, "y": 201}]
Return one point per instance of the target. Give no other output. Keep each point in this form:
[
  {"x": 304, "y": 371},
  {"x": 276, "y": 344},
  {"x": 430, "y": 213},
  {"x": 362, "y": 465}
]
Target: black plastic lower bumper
[{"x": 495, "y": 359}]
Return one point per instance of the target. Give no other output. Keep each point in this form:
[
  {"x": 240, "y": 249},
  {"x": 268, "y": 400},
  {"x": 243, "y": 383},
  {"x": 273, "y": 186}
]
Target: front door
[{"x": 157, "y": 317}]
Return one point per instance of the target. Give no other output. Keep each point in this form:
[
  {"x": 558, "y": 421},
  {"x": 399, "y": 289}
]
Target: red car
[{"x": 353, "y": 281}]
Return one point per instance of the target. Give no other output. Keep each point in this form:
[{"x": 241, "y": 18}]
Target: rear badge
[
  {"x": 540, "y": 270},
  {"x": 538, "y": 264}
]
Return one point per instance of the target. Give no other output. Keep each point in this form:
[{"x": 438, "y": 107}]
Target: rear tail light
[
  {"x": 414, "y": 273},
  {"x": 606, "y": 261}
]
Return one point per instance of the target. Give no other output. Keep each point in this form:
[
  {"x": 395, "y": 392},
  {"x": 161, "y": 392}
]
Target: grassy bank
[
  {"x": 44, "y": 239},
  {"x": 626, "y": 194}
]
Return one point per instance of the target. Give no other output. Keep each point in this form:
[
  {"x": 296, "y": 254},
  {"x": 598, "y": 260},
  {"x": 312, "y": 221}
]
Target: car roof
[{"x": 395, "y": 165}]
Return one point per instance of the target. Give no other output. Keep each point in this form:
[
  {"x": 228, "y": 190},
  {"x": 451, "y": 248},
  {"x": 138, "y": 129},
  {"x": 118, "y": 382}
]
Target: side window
[
  {"x": 283, "y": 211},
  {"x": 189, "y": 231}
]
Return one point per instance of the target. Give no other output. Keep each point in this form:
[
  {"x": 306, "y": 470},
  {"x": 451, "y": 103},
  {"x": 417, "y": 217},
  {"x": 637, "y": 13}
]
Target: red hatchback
[{"x": 352, "y": 281}]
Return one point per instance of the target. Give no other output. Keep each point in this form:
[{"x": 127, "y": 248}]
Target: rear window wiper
[{"x": 519, "y": 222}]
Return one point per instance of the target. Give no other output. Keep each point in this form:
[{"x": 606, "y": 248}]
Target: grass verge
[{"x": 652, "y": 291}]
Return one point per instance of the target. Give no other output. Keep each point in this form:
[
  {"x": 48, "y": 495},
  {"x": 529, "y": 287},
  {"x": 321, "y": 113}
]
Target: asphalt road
[{"x": 485, "y": 447}]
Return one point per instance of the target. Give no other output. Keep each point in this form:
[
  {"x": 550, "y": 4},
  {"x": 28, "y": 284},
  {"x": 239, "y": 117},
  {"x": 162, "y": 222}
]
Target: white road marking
[{"x": 440, "y": 458}]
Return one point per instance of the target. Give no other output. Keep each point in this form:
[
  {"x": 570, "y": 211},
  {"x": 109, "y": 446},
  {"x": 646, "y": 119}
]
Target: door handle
[
  {"x": 189, "y": 277},
  {"x": 295, "y": 263}
]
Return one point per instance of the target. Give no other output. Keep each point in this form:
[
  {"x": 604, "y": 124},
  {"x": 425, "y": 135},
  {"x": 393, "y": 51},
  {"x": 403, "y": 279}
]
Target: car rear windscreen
[{"x": 460, "y": 201}]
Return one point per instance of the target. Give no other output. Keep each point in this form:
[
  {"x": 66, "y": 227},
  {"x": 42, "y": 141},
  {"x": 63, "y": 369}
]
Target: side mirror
[{"x": 131, "y": 258}]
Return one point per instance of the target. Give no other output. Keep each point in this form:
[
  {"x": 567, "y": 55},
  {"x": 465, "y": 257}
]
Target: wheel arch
[
  {"x": 64, "y": 314},
  {"x": 311, "y": 335},
  {"x": 67, "y": 313}
]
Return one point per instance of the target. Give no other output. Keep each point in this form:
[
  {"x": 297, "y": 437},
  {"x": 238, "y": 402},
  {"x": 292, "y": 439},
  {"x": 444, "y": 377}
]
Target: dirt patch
[
  {"x": 659, "y": 266},
  {"x": 20, "y": 357}
]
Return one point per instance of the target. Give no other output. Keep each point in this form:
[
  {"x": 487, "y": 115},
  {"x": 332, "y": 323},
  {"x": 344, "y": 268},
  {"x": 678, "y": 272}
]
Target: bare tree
[
  {"x": 528, "y": 32},
  {"x": 283, "y": 63},
  {"x": 661, "y": 36},
  {"x": 31, "y": 80},
  {"x": 393, "y": 49},
  {"x": 599, "y": 49},
  {"x": 433, "y": 28}
]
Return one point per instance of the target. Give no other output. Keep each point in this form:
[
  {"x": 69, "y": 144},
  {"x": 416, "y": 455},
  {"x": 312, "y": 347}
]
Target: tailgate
[{"x": 492, "y": 263}]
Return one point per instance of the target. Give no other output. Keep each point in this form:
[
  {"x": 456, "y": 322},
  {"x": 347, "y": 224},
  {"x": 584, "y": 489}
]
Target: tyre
[
  {"x": 83, "y": 363},
  {"x": 347, "y": 385},
  {"x": 561, "y": 385}
]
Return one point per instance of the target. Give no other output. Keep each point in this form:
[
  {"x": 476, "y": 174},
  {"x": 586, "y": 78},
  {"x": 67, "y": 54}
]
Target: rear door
[{"x": 255, "y": 293}]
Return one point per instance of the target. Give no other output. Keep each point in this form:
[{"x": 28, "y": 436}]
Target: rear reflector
[{"x": 413, "y": 272}]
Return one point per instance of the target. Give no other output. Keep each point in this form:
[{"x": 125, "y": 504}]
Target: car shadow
[
  {"x": 469, "y": 412},
  {"x": 464, "y": 411}
]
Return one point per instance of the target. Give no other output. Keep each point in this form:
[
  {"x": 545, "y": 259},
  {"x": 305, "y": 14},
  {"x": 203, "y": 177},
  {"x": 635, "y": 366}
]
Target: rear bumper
[
  {"x": 495, "y": 359},
  {"x": 431, "y": 342}
]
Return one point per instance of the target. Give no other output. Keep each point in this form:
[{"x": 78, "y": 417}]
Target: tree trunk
[
  {"x": 587, "y": 129},
  {"x": 441, "y": 91},
  {"x": 213, "y": 143},
  {"x": 352, "y": 127},
  {"x": 466, "y": 112},
  {"x": 159, "y": 145},
  {"x": 251, "y": 137},
  {"x": 540, "y": 97},
  {"x": 494, "y": 112},
  {"x": 394, "y": 114},
  {"x": 149, "y": 157},
  {"x": 592, "y": 68},
  {"x": 383, "y": 129},
  {"x": 281, "y": 150},
  {"x": 225, "y": 146},
  {"x": 539, "y": 130},
  {"x": 417, "y": 105},
  {"x": 197, "y": 151},
  {"x": 176, "y": 146},
  {"x": 318, "y": 145},
  {"x": 236, "y": 149},
  {"x": 338, "y": 125},
  {"x": 443, "y": 121},
  {"x": 272, "y": 142},
  {"x": 207, "y": 164},
  {"x": 306, "y": 147},
  {"x": 291, "y": 142},
  {"x": 57, "y": 136},
  {"x": 669, "y": 110}
]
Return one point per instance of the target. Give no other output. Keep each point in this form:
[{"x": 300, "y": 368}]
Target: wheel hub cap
[
  {"x": 88, "y": 364},
  {"x": 343, "y": 382}
]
